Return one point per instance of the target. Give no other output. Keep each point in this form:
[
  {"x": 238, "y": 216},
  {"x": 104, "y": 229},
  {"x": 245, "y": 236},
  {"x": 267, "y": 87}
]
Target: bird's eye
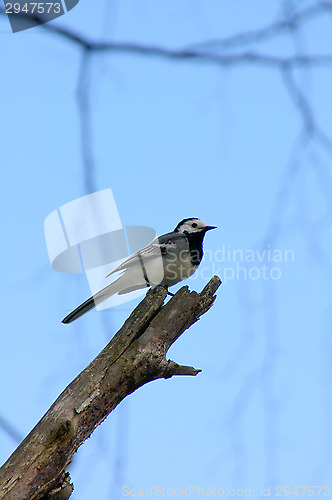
[{"x": 194, "y": 224}]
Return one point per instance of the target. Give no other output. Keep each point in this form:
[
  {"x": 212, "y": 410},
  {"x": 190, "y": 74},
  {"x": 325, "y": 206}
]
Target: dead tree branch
[{"x": 136, "y": 355}]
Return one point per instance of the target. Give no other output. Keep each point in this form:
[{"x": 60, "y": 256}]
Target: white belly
[{"x": 178, "y": 270}]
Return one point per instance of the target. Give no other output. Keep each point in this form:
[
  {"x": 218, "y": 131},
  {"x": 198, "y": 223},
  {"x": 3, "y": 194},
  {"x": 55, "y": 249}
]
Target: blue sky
[{"x": 175, "y": 139}]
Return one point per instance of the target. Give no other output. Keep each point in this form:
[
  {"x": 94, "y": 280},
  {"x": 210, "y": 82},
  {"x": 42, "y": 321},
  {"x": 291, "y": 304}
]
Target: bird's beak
[{"x": 208, "y": 228}]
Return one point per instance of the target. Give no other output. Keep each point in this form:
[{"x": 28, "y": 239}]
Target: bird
[{"x": 169, "y": 259}]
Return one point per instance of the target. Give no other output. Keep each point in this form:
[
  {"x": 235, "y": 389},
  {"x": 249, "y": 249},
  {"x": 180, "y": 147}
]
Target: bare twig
[
  {"x": 286, "y": 26},
  {"x": 193, "y": 53},
  {"x": 83, "y": 102}
]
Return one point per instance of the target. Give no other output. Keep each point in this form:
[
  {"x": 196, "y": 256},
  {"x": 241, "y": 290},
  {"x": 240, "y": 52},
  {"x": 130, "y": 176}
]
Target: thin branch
[
  {"x": 311, "y": 128},
  {"x": 185, "y": 54},
  {"x": 9, "y": 429},
  {"x": 261, "y": 35},
  {"x": 83, "y": 101}
]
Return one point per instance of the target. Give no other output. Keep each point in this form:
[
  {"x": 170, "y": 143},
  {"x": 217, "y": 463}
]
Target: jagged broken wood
[{"x": 135, "y": 355}]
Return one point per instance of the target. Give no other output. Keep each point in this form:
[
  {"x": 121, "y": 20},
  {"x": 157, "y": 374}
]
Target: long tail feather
[
  {"x": 92, "y": 302},
  {"x": 80, "y": 310},
  {"x": 121, "y": 285}
]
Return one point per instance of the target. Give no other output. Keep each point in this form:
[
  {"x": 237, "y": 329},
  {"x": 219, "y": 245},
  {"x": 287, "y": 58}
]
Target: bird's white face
[{"x": 191, "y": 226}]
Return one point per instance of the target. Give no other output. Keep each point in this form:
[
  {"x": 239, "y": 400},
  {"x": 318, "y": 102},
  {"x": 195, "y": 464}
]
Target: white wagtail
[{"x": 169, "y": 259}]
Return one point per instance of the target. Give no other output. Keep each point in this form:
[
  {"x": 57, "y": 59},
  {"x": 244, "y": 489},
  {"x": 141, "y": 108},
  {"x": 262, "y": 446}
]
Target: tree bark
[{"x": 135, "y": 355}]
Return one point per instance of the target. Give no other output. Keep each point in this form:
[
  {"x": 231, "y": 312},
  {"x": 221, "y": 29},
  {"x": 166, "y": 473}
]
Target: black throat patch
[{"x": 195, "y": 241}]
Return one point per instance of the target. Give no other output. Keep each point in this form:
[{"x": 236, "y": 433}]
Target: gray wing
[{"x": 164, "y": 245}]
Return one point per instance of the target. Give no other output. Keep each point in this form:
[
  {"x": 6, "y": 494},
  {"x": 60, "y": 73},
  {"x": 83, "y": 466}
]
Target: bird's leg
[{"x": 168, "y": 293}]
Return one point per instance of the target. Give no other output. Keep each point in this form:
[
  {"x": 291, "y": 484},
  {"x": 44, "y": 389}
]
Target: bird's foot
[{"x": 168, "y": 293}]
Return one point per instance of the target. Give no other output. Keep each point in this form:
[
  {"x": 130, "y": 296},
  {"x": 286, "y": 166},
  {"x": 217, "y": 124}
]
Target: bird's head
[{"x": 192, "y": 225}]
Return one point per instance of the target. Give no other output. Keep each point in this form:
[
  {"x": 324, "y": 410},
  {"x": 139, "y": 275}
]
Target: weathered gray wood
[{"x": 136, "y": 355}]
